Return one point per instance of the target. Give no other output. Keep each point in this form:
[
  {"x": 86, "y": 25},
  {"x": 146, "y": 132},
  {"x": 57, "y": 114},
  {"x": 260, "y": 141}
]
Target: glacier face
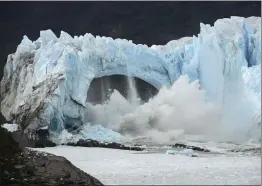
[{"x": 46, "y": 81}]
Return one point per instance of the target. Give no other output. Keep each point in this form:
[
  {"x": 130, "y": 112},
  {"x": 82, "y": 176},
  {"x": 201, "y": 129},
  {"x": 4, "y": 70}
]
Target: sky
[{"x": 143, "y": 22}]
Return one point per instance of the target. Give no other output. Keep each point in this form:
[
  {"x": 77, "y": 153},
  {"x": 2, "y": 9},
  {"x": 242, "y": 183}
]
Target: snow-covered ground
[{"x": 112, "y": 166}]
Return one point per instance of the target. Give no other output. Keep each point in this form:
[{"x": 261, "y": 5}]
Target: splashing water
[
  {"x": 132, "y": 91},
  {"x": 104, "y": 88},
  {"x": 172, "y": 114}
]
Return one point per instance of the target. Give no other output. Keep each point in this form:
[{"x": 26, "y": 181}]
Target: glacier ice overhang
[{"x": 46, "y": 81}]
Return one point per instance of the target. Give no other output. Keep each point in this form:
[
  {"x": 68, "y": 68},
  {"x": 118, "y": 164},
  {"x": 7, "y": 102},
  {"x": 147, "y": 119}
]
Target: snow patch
[{"x": 11, "y": 127}]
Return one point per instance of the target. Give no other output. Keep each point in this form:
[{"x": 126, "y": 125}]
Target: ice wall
[{"x": 46, "y": 81}]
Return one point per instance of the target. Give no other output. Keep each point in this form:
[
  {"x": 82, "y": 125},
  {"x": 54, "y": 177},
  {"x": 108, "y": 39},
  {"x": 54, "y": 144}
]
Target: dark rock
[
  {"x": 19, "y": 166},
  {"x": 42, "y": 133},
  {"x": 254, "y": 150},
  {"x": 27, "y": 167},
  {"x": 42, "y": 138},
  {"x": 2, "y": 119},
  {"x": 30, "y": 168},
  {"x": 8, "y": 148},
  {"x": 57, "y": 171},
  {"x": 44, "y": 143},
  {"x": 22, "y": 139},
  {"x": 94, "y": 143},
  {"x": 39, "y": 142},
  {"x": 180, "y": 145}
]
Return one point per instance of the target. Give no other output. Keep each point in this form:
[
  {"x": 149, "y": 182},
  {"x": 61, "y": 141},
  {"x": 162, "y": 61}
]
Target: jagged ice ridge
[{"x": 46, "y": 81}]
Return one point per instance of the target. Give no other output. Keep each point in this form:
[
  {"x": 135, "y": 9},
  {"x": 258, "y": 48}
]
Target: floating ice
[
  {"x": 118, "y": 167},
  {"x": 100, "y": 133},
  {"x": 186, "y": 152},
  {"x": 95, "y": 132}
]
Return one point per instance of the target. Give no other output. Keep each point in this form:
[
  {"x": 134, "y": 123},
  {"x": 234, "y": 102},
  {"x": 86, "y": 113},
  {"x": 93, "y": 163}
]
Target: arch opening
[{"x": 101, "y": 88}]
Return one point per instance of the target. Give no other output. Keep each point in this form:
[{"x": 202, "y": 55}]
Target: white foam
[{"x": 173, "y": 114}]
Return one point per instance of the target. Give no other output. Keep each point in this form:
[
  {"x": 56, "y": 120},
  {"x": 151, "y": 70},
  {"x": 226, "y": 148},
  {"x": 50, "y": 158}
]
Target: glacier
[{"x": 45, "y": 82}]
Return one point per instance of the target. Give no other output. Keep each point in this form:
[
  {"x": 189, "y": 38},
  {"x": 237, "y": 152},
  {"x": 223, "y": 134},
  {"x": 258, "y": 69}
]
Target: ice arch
[
  {"x": 45, "y": 82},
  {"x": 54, "y": 74}
]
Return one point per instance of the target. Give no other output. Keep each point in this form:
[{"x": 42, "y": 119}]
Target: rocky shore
[
  {"x": 194, "y": 148},
  {"x": 24, "y": 166},
  {"x": 94, "y": 143},
  {"x": 20, "y": 164},
  {"x": 42, "y": 140}
]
